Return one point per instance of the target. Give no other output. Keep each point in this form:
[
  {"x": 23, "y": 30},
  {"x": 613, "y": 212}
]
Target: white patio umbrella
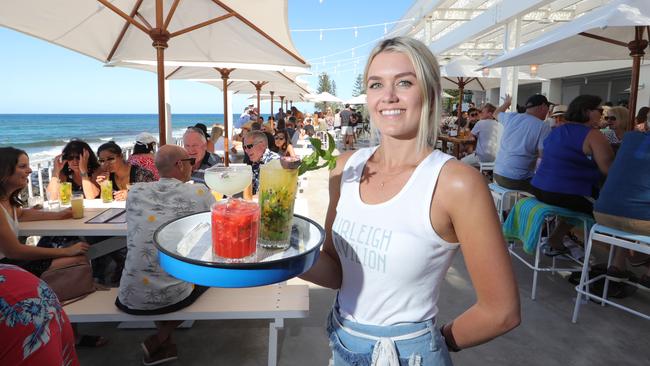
[
  {"x": 463, "y": 73},
  {"x": 359, "y": 99},
  {"x": 197, "y": 30},
  {"x": 615, "y": 31},
  {"x": 326, "y": 97}
]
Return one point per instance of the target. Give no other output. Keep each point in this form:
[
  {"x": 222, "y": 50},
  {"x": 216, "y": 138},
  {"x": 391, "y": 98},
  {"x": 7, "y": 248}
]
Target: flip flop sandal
[{"x": 91, "y": 341}]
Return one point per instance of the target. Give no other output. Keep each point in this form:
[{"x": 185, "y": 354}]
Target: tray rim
[{"x": 256, "y": 265}]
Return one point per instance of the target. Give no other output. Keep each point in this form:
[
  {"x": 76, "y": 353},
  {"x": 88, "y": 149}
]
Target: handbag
[{"x": 71, "y": 279}]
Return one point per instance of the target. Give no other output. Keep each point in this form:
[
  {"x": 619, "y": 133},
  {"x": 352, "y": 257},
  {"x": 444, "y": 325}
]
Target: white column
[
  {"x": 493, "y": 96},
  {"x": 643, "y": 98},
  {"x": 509, "y": 75},
  {"x": 168, "y": 115},
  {"x": 552, "y": 89}
]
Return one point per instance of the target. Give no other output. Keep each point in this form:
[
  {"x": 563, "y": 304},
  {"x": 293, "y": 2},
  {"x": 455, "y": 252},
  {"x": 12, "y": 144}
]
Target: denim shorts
[{"x": 428, "y": 349}]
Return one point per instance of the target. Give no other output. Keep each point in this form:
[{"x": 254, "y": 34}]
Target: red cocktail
[{"x": 235, "y": 225}]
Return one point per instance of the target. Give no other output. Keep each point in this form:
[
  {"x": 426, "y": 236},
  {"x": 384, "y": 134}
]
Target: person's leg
[
  {"x": 165, "y": 329},
  {"x": 518, "y": 184}
]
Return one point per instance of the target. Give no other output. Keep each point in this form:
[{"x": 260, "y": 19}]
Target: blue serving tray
[{"x": 198, "y": 265}]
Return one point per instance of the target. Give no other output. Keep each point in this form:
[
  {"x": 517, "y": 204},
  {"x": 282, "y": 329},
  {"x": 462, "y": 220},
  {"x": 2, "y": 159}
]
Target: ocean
[{"x": 43, "y": 136}]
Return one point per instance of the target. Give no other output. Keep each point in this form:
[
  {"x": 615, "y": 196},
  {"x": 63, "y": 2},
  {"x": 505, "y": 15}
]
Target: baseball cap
[
  {"x": 145, "y": 138},
  {"x": 559, "y": 110},
  {"x": 537, "y": 100},
  {"x": 203, "y": 128}
]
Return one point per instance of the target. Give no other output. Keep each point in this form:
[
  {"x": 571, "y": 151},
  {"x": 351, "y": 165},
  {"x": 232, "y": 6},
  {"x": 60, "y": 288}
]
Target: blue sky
[{"x": 38, "y": 77}]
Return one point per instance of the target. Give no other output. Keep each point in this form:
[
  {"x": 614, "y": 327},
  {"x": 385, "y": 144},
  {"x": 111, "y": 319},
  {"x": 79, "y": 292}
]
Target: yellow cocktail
[
  {"x": 277, "y": 194},
  {"x": 65, "y": 193},
  {"x": 107, "y": 191}
]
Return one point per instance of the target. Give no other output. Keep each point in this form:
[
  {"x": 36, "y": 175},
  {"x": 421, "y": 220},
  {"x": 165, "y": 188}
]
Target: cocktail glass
[
  {"x": 277, "y": 194},
  {"x": 65, "y": 193},
  {"x": 228, "y": 180},
  {"x": 107, "y": 191},
  {"x": 235, "y": 226}
]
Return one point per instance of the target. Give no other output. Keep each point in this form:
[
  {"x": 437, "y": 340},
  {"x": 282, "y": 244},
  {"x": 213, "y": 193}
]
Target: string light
[
  {"x": 385, "y": 29},
  {"x": 354, "y": 27},
  {"x": 321, "y": 34},
  {"x": 356, "y": 32},
  {"x": 533, "y": 70}
]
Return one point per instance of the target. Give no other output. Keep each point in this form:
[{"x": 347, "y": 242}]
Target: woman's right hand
[
  {"x": 83, "y": 161},
  {"x": 58, "y": 165},
  {"x": 77, "y": 249}
]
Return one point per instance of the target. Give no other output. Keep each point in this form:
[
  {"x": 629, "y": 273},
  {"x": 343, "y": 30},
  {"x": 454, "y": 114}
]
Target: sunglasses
[
  {"x": 190, "y": 160},
  {"x": 609, "y": 118},
  {"x": 279, "y": 137},
  {"x": 71, "y": 157},
  {"x": 473, "y": 114},
  {"x": 250, "y": 146},
  {"x": 107, "y": 160}
]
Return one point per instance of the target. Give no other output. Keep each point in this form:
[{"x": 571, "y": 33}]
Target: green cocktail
[
  {"x": 65, "y": 193},
  {"x": 107, "y": 191},
  {"x": 277, "y": 194}
]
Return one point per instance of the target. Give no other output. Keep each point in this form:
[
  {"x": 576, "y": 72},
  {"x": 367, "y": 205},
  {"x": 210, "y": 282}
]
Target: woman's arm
[
  {"x": 90, "y": 188},
  {"x": 31, "y": 214},
  {"x": 53, "y": 185},
  {"x": 463, "y": 194},
  {"x": 13, "y": 249},
  {"x": 596, "y": 145},
  {"x": 291, "y": 151},
  {"x": 327, "y": 270}
]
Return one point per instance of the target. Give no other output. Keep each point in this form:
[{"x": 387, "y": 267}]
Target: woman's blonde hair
[
  {"x": 427, "y": 73},
  {"x": 622, "y": 114},
  {"x": 216, "y": 132}
]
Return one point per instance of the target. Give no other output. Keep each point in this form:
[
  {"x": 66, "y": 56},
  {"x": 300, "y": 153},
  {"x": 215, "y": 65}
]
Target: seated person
[
  {"x": 143, "y": 150},
  {"x": 557, "y": 116},
  {"x": 617, "y": 122},
  {"x": 487, "y": 133},
  {"x": 146, "y": 288},
  {"x": 521, "y": 142},
  {"x": 256, "y": 147},
  {"x": 76, "y": 164},
  {"x": 196, "y": 145},
  {"x": 115, "y": 169},
  {"x": 283, "y": 144},
  {"x": 624, "y": 201},
  {"x": 576, "y": 157},
  {"x": 14, "y": 171},
  {"x": 41, "y": 336},
  {"x": 216, "y": 141},
  {"x": 641, "y": 121}
]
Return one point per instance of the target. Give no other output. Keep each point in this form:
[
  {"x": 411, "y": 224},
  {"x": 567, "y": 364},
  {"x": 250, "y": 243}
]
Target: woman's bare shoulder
[{"x": 458, "y": 179}]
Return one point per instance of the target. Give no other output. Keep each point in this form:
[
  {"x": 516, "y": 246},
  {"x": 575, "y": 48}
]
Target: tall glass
[
  {"x": 77, "y": 203},
  {"x": 65, "y": 193},
  {"x": 235, "y": 225},
  {"x": 107, "y": 191},
  {"x": 277, "y": 194}
]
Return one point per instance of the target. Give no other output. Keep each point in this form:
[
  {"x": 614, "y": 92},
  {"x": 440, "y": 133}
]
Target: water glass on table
[{"x": 77, "y": 202}]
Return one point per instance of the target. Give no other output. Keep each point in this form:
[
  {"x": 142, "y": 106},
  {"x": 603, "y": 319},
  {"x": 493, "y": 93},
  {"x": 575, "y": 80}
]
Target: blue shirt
[
  {"x": 626, "y": 192},
  {"x": 565, "y": 168},
  {"x": 523, "y": 136}
]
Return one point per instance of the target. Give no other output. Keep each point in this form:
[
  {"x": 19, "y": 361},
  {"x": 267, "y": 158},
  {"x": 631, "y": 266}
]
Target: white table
[{"x": 79, "y": 227}]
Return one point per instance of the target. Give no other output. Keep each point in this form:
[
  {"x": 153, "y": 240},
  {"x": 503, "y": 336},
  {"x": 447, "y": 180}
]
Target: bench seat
[{"x": 275, "y": 302}]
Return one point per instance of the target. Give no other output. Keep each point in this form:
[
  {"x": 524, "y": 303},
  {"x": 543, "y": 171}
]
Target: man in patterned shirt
[
  {"x": 256, "y": 146},
  {"x": 145, "y": 288}
]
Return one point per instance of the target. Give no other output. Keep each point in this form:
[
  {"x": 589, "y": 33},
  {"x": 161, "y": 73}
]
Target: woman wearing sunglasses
[
  {"x": 119, "y": 171},
  {"x": 76, "y": 164},
  {"x": 617, "y": 122},
  {"x": 283, "y": 144}
]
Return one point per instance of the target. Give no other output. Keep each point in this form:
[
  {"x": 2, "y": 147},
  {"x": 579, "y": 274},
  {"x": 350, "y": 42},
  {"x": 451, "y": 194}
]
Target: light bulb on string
[
  {"x": 353, "y": 52},
  {"x": 320, "y": 1},
  {"x": 356, "y": 32},
  {"x": 321, "y": 34},
  {"x": 385, "y": 29}
]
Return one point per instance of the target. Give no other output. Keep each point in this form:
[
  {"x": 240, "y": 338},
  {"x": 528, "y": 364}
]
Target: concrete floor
[{"x": 546, "y": 336}]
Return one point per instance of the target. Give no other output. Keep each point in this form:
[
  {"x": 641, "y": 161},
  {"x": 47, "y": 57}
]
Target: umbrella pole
[
  {"x": 282, "y": 106},
  {"x": 461, "y": 89},
  {"x": 636, "y": 48},
  {"x": 225, "y": 73},
  {"x": 271, "y": 92},
  {"x": 160, "y": 38}
]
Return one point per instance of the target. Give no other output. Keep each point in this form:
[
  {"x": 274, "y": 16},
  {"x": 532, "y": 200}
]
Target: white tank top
[
  {"x": 392, "y": 259},
  {"x": 12, "y": 221}
]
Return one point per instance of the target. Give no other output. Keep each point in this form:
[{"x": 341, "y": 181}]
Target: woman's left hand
[
  {"x": 83, "y": 161},
  {"x": 121, "y": 195}
]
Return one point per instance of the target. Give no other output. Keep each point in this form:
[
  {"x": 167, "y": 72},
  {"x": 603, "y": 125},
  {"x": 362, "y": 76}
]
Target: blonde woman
[
  {"x": 215, "y": 142},
  {"x": 398, "y": 214},
  {"x": 618, "y": 122}
]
